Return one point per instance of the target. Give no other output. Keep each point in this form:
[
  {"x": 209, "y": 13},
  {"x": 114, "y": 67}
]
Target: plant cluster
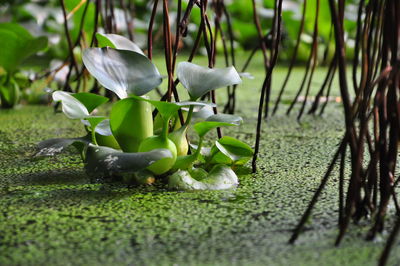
[
  {"x": 130, "y": 143},
  {"x": 17, "y": 46}
]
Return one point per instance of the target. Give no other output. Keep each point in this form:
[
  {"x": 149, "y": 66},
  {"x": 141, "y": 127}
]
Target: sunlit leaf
[
  {"x": 229, "y": 151},
  {"x": 90, "y": 100},
  {"x": 166, "y": 109},
  {"x": 100, "y": 124},
  {"x": 202, "y": 128},
  {"x": 214, "y": 121},
  {"x": 71, "y": 107},
  {"x": 117, "y": 42},
  {"x": 234, "y": 148},
  {"x": 218, "y": 157},
  {"x": 121, "y": 71},
  {"x": 106, "y": 161},
  {"x": 200, "y": 80},
  {"x": 220, "y": 177},
  {"x": 94, "y": 120},
  {"x": 131, "y": 122}
]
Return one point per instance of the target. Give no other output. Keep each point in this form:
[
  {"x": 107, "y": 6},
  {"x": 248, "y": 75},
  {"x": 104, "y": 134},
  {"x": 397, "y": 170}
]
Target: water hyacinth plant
[{"x": 126, "y": 143}]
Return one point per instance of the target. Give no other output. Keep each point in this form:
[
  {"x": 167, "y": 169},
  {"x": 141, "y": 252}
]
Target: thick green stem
[
  {"x": 94, "y": 137},
  {"x": 189, "y": 116},
  {"x": 199, "y": 146},
  {"x": 164, "y": 133}
]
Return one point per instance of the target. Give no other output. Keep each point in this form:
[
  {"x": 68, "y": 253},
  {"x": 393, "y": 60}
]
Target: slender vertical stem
[
  {"x": 389, "y": 244},
  {"x": 70, "y": 46},
  {"x": 168, "y": 48},
  {"x": 165, "y": 129},
  {"x": 293, "y": 59},
  {"x": 150, "y": 31},
  {"x": 267, "y": 80}
]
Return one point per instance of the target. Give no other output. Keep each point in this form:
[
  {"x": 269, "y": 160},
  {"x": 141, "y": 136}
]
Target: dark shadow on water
[
  {"x": 51, "y": 177},
  {"x": 66, "y": 197}
]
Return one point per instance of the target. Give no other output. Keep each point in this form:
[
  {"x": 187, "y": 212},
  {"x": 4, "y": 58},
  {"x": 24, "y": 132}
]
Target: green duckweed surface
[{"x": 52, "y": 213}]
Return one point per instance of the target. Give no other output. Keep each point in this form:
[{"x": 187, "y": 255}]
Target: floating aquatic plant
[{"x": 125, "y": 143}]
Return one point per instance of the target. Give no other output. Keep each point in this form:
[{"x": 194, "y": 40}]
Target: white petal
[
  {"x": 71, "y": 107},
  {"x": 246, "y": 75},
  {"x": 108, "y": 72},
  {"x": 121, "y": 71},
  {"x": 200, "y": 80},
  {"x": 204, "y": 112},
  {"x": 103, "y": 128}
]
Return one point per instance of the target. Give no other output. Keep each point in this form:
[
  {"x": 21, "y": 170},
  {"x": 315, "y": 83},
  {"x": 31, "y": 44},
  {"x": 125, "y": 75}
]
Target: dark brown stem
[
  {"x": 293, "y": 59},
  {"x": 314, "y": 60},
  {"x": 67, "y": 34},
  {"x": 150, "y": 31},
  {"x": 267, "y": 81},
  {"x": 327, "y": 80},
  {"x": 389, "y": 244}
]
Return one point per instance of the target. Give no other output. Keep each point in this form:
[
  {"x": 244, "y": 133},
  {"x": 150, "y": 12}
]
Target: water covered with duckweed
[{"x": 52, "y": 213}]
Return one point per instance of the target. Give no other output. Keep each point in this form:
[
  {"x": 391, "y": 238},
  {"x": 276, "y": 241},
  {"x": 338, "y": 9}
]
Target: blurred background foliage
[{"x": 131, "y": 19}]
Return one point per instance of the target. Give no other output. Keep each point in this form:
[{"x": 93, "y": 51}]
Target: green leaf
[
  {"x": 17, "y": 45},
  {"x": 90, "y": 100},
  {"x": 118, "y": 42},
  {"x": 220, "y": 177},
  {"x": 94, "y": 121},
  {"x": 106, "y": 161},
  {"x": 200, "y": 80},
  {"x": 219, "y": 158},
  {"x": 198, "y": 173},
  {"x": 21, "y": 32},
  {"x": 230, "y": 151},
  {"x": 71, "y": 107},
  {"x": 214, "y": 121},
  {"x": 9, "y": 50},
  {"x": 131, "y": 122},
  {"x": 9, "y": 94},
  {"x": 166, "y": 109},
  {"x": 51, "y": 147},
  {"x": 234, "y": 148},
  {"x": 184, "y": 162},
  {"x": 121, "y": 71},
  {"x": 32, "y": 46}
]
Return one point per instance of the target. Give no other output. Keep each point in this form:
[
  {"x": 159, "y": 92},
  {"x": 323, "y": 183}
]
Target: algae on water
[{"x": 52, "y": 213}]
